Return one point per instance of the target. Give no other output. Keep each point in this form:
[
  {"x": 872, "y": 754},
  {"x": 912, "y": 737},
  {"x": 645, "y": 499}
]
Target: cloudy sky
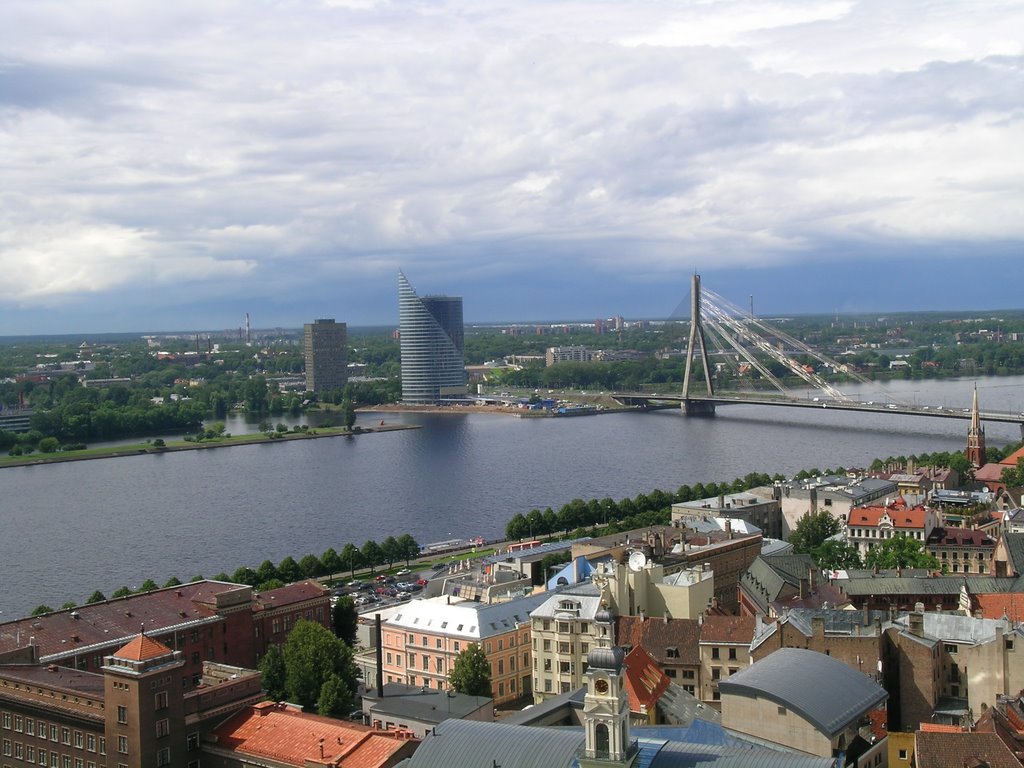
[{"x": 175, "y": 165}]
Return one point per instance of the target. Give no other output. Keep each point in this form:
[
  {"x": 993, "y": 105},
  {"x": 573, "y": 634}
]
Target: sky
[{"x": 176, "y": 165}]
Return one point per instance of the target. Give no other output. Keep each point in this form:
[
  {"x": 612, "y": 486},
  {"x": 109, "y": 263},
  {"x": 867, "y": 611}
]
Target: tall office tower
[
  {"x": 326, "y": 348},
  {"x": 431, "y": 327}
]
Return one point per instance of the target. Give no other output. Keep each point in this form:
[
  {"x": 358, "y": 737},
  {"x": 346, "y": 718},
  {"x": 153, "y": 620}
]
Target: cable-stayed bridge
[{"x": 738, "y": 340}]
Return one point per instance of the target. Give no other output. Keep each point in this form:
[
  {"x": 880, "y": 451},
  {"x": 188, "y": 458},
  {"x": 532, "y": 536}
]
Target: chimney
[
  {"x": 915, "y": 623},
  {"x": 721, "y": 501},
  {"x": 379, "y": 637},
  {"x": 728, "y": 528},
  {"x": 818, "y": 626}
]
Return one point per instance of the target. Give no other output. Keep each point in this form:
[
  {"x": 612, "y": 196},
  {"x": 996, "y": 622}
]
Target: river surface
[{"x": 68, "y": 529}]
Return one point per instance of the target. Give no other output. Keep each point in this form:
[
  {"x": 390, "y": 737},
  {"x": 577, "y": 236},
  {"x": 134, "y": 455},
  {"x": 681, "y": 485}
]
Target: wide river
[{"x": 68, "y": 529}]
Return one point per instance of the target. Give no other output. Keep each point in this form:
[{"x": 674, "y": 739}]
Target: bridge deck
[{"x": 931, "y": 411}]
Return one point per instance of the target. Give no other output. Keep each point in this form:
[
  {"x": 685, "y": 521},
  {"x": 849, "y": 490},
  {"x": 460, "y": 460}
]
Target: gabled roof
[
  {"x": 942, "y": 750},
  {"x": 727, "y": 630},
  {"x": 900, "y": 513},
  {"x": 284, "y": 734},
  {"x": 645, "y": 681},
  {"x": 142, "y": 648},
  {"x": 839, "y": 696},
  {"x": 466, "y": 619},
  {"x": 960, "y": 537},
  {"x": 1014, "y": 544},
  {"x": 657, "y": 636},
  {"x": 996, "y": 605}
]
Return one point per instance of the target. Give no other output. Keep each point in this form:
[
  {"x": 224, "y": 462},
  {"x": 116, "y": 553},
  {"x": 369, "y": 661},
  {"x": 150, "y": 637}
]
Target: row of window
[
  {"x": 57, "y": 734},
  {"x": 29, "y": 754}
]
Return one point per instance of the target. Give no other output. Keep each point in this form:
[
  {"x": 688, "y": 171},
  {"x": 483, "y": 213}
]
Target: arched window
[{"x": 601, "y": 740}]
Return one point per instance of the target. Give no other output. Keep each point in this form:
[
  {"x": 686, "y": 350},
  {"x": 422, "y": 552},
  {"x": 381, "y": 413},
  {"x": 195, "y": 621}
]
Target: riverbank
[{"x": 174, "y": 446}]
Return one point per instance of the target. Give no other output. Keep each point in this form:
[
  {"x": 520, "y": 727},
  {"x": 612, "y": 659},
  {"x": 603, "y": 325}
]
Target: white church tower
[{"x": 606, "y": 705}]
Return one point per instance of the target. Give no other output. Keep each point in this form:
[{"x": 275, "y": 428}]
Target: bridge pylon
[{"x": 692, "y": 407}]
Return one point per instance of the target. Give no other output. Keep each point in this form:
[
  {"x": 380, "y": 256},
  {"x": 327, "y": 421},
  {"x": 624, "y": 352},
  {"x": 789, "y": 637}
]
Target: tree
[
  {"x": 836, "y": 555},
  {"x": 351, "y": 558},
  {"x": 288, "y": 570},
  {"x": 517, "y": 527},
  {"x": 122, "y": 592},
  {"x": 274, "y": 673},
  {"x": 811, "y": 531},
  {"x": 49, "y": 445},
  {"x": 471, "y": 672},
  {"x": 335, "y": 698},
  {"x": 147, "y": 586},
  {"x": 330, "y": 563},
  {"x": 900, "y": 552},
  {"x": 174, "y": 581},
  {"x": 311, "y": 655},
  {"x": 1013, "y": 477},
  {"x": 39, "y": 610},
  {"x": 345, "y": 620},
  {"x": 389, "y": 549},
  {"x": 408, "y": 548},
  {"x": 372, "y": 554},
  {"x": 348, "y": 410},
  {"x": 267, "y": 571},
  {"x": 310, "y": 566},
  {"x": 95, "y": 597}
]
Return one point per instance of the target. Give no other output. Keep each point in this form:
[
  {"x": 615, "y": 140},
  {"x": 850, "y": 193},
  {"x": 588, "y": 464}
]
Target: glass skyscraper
[{"x": 431, "y": 334}]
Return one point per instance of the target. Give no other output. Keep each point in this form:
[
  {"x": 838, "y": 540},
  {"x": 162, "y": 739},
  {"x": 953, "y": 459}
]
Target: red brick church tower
[{"x": 976, "y": 436}]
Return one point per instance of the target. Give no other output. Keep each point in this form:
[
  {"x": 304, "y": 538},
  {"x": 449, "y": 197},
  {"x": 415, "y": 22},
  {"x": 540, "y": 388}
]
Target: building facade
[
  {"x": 421, "y": 642},
  {"x": 325, "y": 344},
  {"x": 433, "y": 366}
]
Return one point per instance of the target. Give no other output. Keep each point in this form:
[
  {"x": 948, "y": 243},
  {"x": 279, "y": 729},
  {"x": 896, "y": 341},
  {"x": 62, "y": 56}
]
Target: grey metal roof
[
  {"x": 471, "y": 744},
  {"x": 426, "y": 705},
  {"x": 674, "y": 754},
  {"x": 1015, "y": 550},
  {"x": 585, "y": 595},
  {"x": 935, "y": 585},
  {"x": 838, "y": 695}
]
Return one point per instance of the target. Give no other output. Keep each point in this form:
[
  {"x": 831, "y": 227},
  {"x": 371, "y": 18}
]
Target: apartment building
[
  {"x": 563, "y": 632},
  {"x": 962, "y": 550},
  {"x": 724, "y": 651},
  {"x": 868, "y": 526},
  {"x": 421, "y": 641}
]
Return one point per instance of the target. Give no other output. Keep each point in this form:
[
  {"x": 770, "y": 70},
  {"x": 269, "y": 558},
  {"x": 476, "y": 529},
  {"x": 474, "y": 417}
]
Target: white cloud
[{"x": 279, "y": 142}]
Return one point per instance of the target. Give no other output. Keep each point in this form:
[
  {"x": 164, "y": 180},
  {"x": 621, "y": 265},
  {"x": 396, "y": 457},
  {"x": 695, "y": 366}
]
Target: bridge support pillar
[{"x": 703, "y": 408}]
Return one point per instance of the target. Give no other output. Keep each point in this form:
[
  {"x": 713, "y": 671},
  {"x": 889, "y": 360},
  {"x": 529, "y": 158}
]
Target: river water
[{"x": 68, "y": 529}]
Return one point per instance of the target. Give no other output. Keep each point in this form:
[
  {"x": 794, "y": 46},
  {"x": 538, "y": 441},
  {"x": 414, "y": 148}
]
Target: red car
[{"x": 422, "y": 582}]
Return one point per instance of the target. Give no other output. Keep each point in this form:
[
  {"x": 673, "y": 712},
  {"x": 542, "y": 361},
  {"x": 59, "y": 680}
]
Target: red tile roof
[
  {"x": 285, "y": 734},
  {"x": 645, "y": 681},
  {"x": 142, "y": 648},
  {"x": 901, "y": 514},
  {"x": 940, "y": 728},
  {"x": 1011, "y": 460},
  {"x": 737, "y": 630},
  {"x": 995, "y": 605}
]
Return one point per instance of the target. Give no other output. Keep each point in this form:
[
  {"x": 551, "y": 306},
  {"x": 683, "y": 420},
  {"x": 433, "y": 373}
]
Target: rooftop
[
  {"x": 470, "y": 620},
  {"x": 840, "y": 695},
  {"x": 727, "y": 629},
  {"x": 941, "y": 750},
  {"x": 426, "y": 705},
  {"x": 115, "y": 622},
  {"x": 142, "y": 648},
  {"x": 284, "y": 733},
  {"x": 657, "y": 636}
]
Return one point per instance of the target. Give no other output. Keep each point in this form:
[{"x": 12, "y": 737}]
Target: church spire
[{"x": 976, "y": 435}]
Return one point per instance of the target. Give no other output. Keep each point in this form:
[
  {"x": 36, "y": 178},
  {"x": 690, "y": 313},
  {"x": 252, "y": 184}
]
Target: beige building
[
  {"x": 563, "y": 633},
  {"x": 724, "y": 651},
  {"x": 640, "y": 587},
  {"x": 809, "y": 702}
]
